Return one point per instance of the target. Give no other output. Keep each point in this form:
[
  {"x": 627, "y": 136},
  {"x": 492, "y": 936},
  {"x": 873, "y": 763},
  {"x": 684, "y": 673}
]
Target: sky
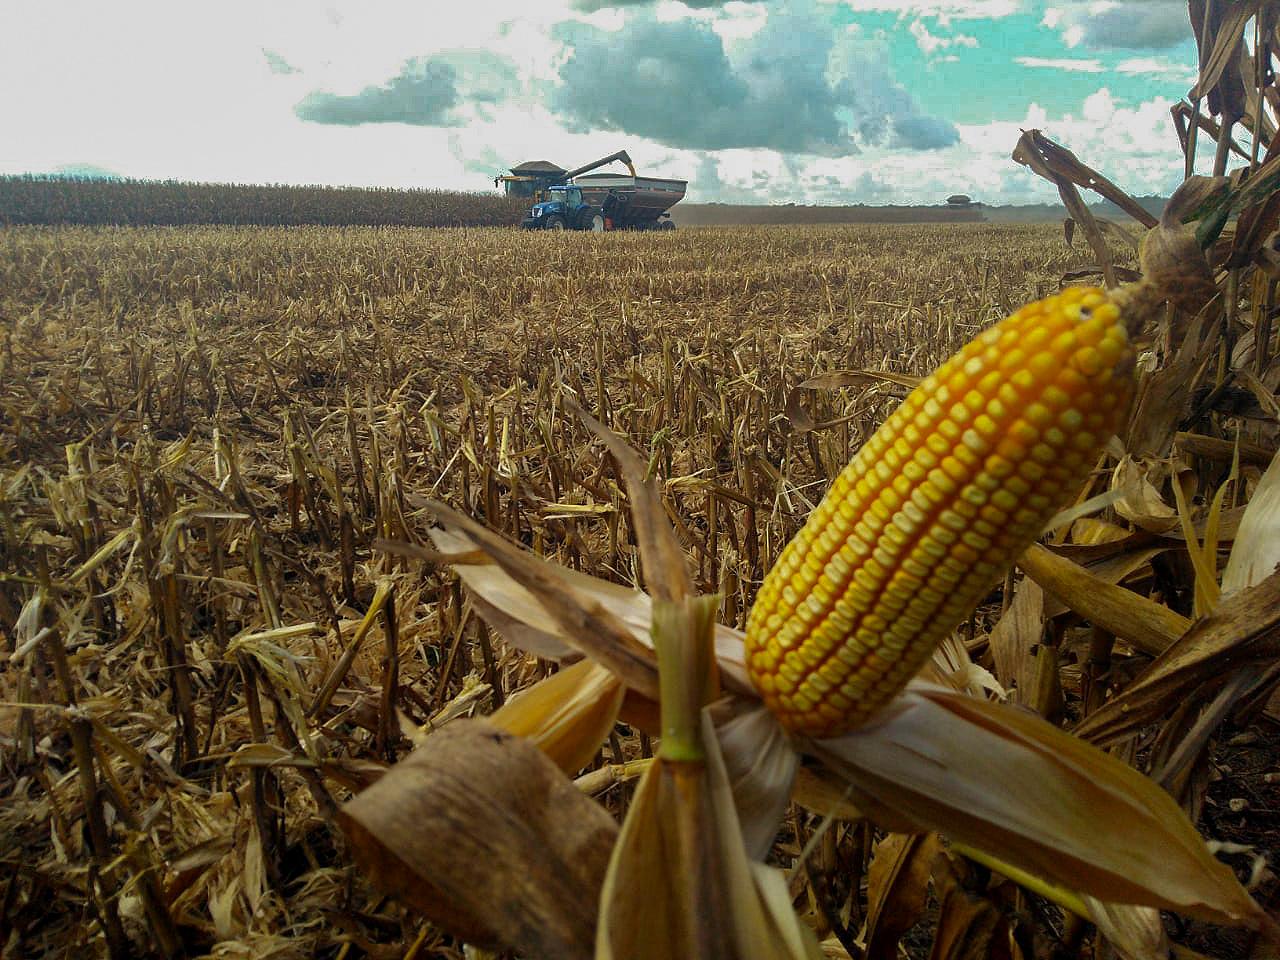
[{"x": 774, "y": 101}]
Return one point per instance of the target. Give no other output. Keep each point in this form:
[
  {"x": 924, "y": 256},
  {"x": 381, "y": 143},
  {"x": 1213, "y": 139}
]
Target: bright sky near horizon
[{"x": 807, "y": 101}]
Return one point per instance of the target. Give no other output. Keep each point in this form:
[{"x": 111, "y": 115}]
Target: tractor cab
[{"x": 569, "y": 196}]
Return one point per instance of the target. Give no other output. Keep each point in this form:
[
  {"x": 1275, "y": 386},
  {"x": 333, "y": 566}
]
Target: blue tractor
[
  {"x": 578, "y": 200},
  {"x": 565, "y": 209}
]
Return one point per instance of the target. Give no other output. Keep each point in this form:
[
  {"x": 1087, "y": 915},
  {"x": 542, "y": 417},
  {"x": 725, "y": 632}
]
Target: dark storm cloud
[
  {"x": 1130, "y": 24},
  {"x": 676, "y": 83},
  {"x": 277, "y": 63},
  {"x": 443, "y": 90},
  {"x": 423, "y": 93}
]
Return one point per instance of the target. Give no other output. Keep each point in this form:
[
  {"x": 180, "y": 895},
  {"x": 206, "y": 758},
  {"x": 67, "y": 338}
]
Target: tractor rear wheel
[{"x": 553, "y": 222}]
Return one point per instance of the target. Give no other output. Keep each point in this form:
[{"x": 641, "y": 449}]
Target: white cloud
[
  {"x": 1062, "y": 63},
  {"x": 944, "y": 10},
  {"x": 1160, "y": 67},
  {"x": 930, "y": 44},
  {"x": 1133, "y": 145},
  {"x": 741, "y": 21}
]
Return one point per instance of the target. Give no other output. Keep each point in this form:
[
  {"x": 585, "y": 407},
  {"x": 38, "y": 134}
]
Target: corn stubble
[{"x": 207, "y": 433}]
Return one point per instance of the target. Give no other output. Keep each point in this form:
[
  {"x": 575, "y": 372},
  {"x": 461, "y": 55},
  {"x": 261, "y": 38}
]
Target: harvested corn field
[{"x": 224, "y": 614}]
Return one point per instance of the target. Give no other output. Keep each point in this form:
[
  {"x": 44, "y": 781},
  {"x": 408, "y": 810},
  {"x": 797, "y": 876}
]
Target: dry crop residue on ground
[{"x": 204, "y": 431}]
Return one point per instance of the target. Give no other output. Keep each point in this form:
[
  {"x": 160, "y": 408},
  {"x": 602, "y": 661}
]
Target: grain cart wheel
[
  {"x": 553, "y": 222},
  {"x": 596, "y": 223}
]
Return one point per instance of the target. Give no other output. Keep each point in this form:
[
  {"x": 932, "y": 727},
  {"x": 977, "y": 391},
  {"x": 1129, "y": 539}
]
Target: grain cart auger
[{"x": 574, "y": 200}]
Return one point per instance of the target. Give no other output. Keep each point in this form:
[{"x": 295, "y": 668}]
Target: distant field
[
  {"x": 61, "y": 200},
  {"x": 725, "y": 214}
]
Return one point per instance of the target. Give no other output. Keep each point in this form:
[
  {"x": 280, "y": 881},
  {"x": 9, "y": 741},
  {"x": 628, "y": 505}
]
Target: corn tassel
[{"x": 935, "y": 507}]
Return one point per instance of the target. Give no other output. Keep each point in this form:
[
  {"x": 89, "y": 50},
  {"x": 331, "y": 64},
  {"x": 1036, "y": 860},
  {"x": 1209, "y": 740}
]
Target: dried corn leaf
[
  {"x": 506, "y": 605},
  {"x": 1140, "y": 502},
  {"x": 1055, "y": 162},
  {"x": 1149, "y": 626},
  {"x": 1089, "y": 530},
  {"x": 1018, "y": 631},
  {"x": 1110, "y": 228},
  {"x": 479, "y": 831},
  {"x": 1136, "y": 933},
  {"x": 1060, "y": 167},
  {"x": 519, "y": 616},
  {"x": 1256, "y": 551},
  {"x": 970, "y": 926},
  {"x": 761, "y": 765},
  {"x": 681, "y": 852},
  {"x": 897, "y": 887},
  {"x": 952, "y": 666},
  {"x": 1220, "y": 33},
  {"x": 663, "y": 859},
  {"x": 567, "y": 715},
  {"x": 582, "y": 619},
  {"x": 1112, "y": 570},
  {"x": 1079, "y": 818},
  {"x": 829, "y": 795},
  {"x": 1243, "y": 631}
]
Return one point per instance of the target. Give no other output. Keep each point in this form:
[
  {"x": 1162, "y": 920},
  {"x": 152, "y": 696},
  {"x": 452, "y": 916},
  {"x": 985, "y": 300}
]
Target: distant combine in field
[{"x": 580, "y": 200}]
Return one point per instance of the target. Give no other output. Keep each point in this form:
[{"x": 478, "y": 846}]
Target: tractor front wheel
[{"x": 553, "y": 222}]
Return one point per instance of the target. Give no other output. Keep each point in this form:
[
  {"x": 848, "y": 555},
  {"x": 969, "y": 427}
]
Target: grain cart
[{"x": 602, "y": 201}]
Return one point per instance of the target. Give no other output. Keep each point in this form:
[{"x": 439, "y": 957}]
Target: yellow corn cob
[{"x": 934, "y": 507}]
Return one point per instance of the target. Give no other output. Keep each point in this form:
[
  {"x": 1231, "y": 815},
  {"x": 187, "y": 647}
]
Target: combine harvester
[{"x": 570, "y": 200}]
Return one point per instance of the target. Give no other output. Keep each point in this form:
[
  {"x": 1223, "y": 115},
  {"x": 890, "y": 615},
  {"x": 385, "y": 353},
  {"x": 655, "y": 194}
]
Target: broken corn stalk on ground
[{"x": 934, "y": 507}]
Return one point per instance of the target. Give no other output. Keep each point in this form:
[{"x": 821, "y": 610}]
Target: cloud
[
  {"x": 277, "y": 63},
  {"x": 591, "y": 6},
  {"x": 444, "y": 90},
  {"x": 424, "y": 93},
  {"x": 1062, "y": 63},
  {"x": 930, "y": 44},
  {"x": 1161, "y": 67},
  {"x": 710, "y": 185},
  {"x": 792, "y": 86},
  {"x": 881, "y": 111},
  {"x": 674, "y": 82},
  {"x": 944, "y": 10},
  {"x": 481, "y": 159},
  {"x": 1121, "y": 24},
  {"x": 84, "y": 171}
]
